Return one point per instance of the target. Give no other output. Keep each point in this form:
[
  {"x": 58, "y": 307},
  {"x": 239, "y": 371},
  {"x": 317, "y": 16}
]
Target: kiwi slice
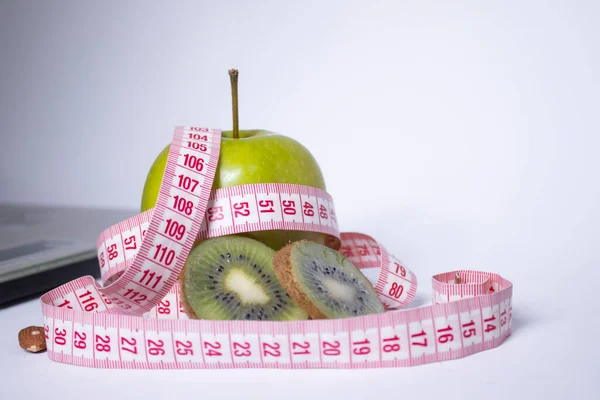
[
  {"x": 324, "y": 283},
  {"x": 232, "y": 278}
]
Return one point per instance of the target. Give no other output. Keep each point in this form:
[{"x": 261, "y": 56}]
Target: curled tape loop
[{"x": 136, "y": 320}]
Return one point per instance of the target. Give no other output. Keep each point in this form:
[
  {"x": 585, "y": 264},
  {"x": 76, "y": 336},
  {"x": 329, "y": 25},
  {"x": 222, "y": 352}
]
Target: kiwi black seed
[
  {"x": 232, "y": 278},
  {"x": 324, "y": 283}
]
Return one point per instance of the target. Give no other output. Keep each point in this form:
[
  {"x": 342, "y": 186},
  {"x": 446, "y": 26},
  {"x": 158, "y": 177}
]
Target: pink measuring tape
[{"x": 136, "y": 319}]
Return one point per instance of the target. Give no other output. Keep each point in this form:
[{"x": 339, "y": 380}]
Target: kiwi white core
[
  {"x": 338, "y": 290},
  {"x": 248, "y": 290}
]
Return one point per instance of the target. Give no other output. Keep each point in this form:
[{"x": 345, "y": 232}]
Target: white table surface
[{"x": 552, "y": 352}]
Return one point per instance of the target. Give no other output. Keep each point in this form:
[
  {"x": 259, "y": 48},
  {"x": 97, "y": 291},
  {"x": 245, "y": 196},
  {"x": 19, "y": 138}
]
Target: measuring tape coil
[{"x": 136, "y": 319}]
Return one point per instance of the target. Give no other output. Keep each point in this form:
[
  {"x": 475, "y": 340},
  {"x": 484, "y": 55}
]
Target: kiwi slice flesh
[
  {"x": 232, "y": 278},
  {"x": 325, "y": 283}
]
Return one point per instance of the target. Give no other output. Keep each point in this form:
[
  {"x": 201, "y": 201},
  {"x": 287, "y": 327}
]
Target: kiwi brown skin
[
  {"x": 187, "y": 310},
  {"x": 283, "y": 270}
]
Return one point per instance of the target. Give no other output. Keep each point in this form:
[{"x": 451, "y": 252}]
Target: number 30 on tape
[{"x": 136, "y": 320}]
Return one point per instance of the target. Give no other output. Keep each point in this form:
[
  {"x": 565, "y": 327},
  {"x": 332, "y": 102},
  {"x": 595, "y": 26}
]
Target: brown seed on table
[
  {"x": 32, "y": 339},
  {"x": 457, "y": 279}
]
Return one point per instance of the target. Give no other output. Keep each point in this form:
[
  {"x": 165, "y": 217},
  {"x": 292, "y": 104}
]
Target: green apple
[{"x": 251, "y": 157}]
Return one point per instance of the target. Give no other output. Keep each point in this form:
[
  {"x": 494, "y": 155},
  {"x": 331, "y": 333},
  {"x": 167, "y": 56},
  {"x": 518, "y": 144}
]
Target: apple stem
[{"x": 233, "y": 77}]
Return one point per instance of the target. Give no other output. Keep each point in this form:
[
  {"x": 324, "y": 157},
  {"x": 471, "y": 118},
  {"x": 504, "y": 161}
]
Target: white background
[{"x": 459, "y": 134}]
